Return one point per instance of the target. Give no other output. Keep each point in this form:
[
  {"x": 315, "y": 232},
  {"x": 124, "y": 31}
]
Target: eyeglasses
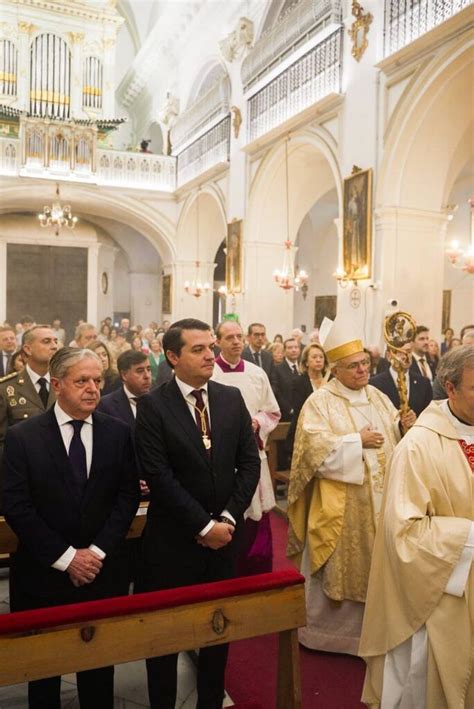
[{"x": 363, "y": 364}]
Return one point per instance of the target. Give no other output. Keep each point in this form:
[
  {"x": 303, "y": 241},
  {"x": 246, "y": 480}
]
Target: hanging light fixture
[
  {"x": 57, "y": 216},
  {"x": 460, "y": 258},
  {"x": 196, "y": 287},
  {"x": 289, "y": 277}
]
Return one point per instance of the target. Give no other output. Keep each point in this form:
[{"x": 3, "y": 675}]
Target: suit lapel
[
  {"x": 393, "y": 389},
  {"x": 180, "y": 411},
  {"x": 218, "y": 414},
  {"x": 125, "y": 407},
  {"x": 57, "y": 451},
  {"x": 99, "y": 456},
  {"x": 29, "y": 390}
]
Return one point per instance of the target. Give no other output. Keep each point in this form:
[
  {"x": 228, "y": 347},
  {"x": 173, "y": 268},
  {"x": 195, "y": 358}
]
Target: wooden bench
[
  {"x": 278, "y": 434},
  {"x": 9, "y": 542},
  {"x": 53, "y": 641}
]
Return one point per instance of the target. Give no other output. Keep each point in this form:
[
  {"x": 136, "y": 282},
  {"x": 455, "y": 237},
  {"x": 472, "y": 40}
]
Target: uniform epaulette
[{"x": 8, "y": 376}]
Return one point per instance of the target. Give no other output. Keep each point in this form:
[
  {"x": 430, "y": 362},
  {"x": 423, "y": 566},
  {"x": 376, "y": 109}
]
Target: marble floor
[{"x": 130, "y": 679}]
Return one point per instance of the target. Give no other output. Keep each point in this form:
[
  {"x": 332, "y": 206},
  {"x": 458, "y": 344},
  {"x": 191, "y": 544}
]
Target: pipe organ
[
  {"x": 50, "y": 76},
  {"x": 8, "y": 68},
  {"x": 92, "y": 83}
]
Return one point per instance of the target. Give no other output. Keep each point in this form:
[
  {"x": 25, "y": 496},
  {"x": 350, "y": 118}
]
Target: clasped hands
[
  {"x": 370, "y": 437},
  {"x": 84, "y": 567},
  {"x": 217, "y": 537}
]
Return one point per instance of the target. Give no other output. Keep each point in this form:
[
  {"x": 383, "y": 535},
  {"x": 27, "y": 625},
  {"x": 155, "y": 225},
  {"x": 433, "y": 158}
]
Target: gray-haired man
[{"x": 71, "y": 492}]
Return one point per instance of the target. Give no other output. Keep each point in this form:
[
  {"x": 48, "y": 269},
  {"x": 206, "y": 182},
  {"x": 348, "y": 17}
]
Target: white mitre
[{"x": 339, "y": 339}]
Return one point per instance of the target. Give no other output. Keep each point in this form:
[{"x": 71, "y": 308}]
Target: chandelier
[
  {"x": 289, "y": 276},
  {"x": 196, "y": 287},
  {"x": 57, "y": 216},
  {"x": 462, "y": 258}
]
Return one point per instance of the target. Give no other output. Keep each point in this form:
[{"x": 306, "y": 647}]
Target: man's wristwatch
[{"x": 226, "y": 520}]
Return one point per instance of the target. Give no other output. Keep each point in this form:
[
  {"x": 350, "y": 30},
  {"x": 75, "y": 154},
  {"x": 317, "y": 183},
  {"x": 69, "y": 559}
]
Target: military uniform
[{"x": 19, "y": 401}]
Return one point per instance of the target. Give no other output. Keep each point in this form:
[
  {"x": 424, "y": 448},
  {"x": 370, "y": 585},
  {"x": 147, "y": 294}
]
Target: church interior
[{"x": 260, "y": 161}]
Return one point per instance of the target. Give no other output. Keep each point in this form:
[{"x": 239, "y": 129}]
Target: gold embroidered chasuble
[
  {"x": 335, "y": 520},
  {"x": 428, "y": 509}
]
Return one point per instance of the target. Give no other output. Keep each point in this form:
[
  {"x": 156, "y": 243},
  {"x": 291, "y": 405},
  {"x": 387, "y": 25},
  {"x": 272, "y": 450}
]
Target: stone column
[
  {"x": 93, "y": 283},
  {"x": 412, "y": 244}
]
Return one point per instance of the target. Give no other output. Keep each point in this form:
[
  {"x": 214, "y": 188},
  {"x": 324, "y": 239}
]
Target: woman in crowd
[
  {"x": 137, "y": 344},
  {"x": 104, "y": 334},
  {"x": 278, "y": 338},
  {"x": 17, "y": 362},
  {"x": 314, "y": 367},
  {"x": 156, "y": 356},
  {"x": 448, "y": 338},
  {"x": 277, "y": 351},
  {"x": 433, "y": 355},
  {"x": 110, "y": 377}
]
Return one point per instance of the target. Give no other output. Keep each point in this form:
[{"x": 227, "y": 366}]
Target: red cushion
[{"x": 145, "y": 602}]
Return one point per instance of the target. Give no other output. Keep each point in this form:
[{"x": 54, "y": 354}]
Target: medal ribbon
[{"x": 202, "y": 419}]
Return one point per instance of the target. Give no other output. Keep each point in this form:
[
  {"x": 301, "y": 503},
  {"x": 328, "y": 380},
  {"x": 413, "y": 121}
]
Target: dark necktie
[
  {"x": 295, "y": 369},
  {"x": 258, "y": 358},
  {"x": 43, "y": 392},
  {"x": 202, "y": 420},
  {"x": 77, "y": 457},
  {"x": 424, "y": 368}
]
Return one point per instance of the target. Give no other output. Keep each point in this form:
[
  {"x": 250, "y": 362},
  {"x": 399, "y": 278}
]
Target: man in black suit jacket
[
  {"x": 420, "y": 392},
  {"x": 71, "y": 492},
  {"x": 421, "y": 365},
  {"x": 135, "y": 372},
  {"x": 285, "y": 375},
  {"x": 198, "y": 453},
  {"x": 254, "y": 352}
]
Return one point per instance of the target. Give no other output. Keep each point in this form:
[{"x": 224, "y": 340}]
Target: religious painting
[
  {"x": 233, "y": 262},
  {"x": 446, "y": 312},
  {"x": 166, "y": 295},
  {"x": 357, "y": 225},
  {"x": 325, "y": 306}
]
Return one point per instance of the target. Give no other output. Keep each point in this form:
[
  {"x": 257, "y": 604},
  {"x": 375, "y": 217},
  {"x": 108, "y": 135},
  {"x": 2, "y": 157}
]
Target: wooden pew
[
  {"x": 47, "y": 642},
  {"x": 8, "y": 540},
  {"x": 279, "y": 433}
]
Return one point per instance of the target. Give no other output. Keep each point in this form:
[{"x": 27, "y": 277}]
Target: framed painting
[
  {"x": 233, "y": 261},
  {"x": 166, "y": 295},
  {"x": 325, "y": 306},
  {"x": 357, "y": 225}
]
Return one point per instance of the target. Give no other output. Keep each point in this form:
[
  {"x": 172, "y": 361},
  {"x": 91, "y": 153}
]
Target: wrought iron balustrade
[
  {"x": 309, "y": 79},
  {"x": 206, "y": 152},
  {"x": 406, "y": 20}
]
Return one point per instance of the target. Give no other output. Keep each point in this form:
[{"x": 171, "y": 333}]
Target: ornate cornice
[{"x": 77, "y": 9}]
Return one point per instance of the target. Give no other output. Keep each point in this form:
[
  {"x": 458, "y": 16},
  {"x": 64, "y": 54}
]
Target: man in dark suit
[
  {"x": 285, "y": 375},
  {"x": 7, "y": 348},
  {"x": 135, "y": 372},
  {"x": 198, "y": 453},
  {"x": 419, "y": 388},
  {"x": 28, "y": 393},
  {"x": 254, "y": 352},
  {"x": 71, "y": 492},
  {"x": 421, "y": 365}
]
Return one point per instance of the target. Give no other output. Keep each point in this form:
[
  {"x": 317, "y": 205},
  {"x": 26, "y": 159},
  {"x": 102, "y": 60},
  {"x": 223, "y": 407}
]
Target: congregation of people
[{"x": 380, "y": 496}]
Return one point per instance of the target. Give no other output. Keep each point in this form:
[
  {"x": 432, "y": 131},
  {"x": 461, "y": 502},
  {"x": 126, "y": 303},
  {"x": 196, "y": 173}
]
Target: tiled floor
[{"x": 130, "y": 679}]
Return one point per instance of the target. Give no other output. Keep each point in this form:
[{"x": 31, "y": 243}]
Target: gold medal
[
  {"x": 10, "y": 391},
  {"x": 207, "y": 442},
  {"x": 12, "y": 402},
  {"x": 22, "y": 400}
]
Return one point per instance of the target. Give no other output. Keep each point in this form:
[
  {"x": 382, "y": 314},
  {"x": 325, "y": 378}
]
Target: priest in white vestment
[
  {"x": 255, "y": 549},
  {"x": 418, "y": 632},
  {"x": 346, "y": 433}
]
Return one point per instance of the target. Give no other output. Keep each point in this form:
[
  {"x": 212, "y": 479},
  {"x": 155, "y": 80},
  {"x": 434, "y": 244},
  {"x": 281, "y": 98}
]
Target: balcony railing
[
  {"x": 306, "y": 81},
  {"x": 120, "y": 168},
  {"x": 406, "y": 20},
  {"x": 214, "y": 104},
  {"x": 206, "y": 152},
  {"x": 302, "y": 21}
]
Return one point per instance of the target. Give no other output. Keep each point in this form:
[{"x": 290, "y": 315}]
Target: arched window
[
  {"x": 50, "y": 83},
  {"x": 8, "y": 67},
  {"x": 92, "y": 83}
]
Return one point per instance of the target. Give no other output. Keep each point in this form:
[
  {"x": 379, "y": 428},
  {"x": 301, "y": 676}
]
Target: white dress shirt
[
  {"x": 190, "y": 400},
  {"x": 429, "y": 373},
  {"x": 36, "y": 377},
  {"x": 67, "y": 433},
  {"x": 132, "y": 400}
]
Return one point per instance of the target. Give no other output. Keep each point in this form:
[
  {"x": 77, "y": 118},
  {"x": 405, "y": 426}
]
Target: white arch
[
  {"x": 212, "y": 219},
  {"x": 157, "y": 228}
]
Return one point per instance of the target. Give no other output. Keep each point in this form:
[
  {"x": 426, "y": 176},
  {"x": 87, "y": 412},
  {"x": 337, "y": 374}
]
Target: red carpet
[{"x": 329, "y": 681}]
